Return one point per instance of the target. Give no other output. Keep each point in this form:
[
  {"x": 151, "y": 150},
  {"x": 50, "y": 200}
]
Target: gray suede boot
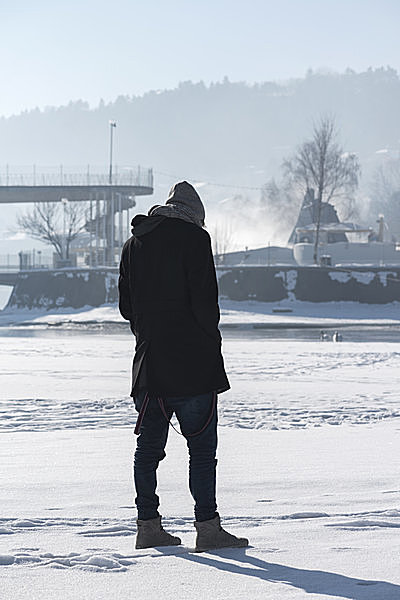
[
  {"x": 151, "y": 534},
  {"x": 211, "y": 536}
]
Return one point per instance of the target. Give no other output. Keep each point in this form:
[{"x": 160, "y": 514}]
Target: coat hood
[
  {"x": 183, "y": 202},
  {"x": 184, "y": 194}
]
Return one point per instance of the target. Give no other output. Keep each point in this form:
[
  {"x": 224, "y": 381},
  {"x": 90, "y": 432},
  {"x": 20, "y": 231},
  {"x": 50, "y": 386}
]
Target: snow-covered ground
[
  {"x": 309, "y": 468},
  {"x": 320, "y": 507}
]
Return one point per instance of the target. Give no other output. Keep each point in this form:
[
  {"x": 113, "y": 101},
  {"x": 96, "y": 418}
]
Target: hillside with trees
[{"x": 226, "y": 133}]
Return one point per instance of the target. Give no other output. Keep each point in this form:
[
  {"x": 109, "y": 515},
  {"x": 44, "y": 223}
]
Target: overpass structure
[
  {"x": 50, "y": 184},
  {"x": 109, "y": 196}
]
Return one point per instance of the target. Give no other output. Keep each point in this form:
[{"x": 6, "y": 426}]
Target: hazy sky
[{"x": 53, "y": 51}]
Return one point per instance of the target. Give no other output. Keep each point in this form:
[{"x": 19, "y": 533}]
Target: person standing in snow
[{"x": 168, "y": 293}]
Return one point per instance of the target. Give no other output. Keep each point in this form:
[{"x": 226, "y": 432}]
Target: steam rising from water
[{"x": 250, "y": 220}]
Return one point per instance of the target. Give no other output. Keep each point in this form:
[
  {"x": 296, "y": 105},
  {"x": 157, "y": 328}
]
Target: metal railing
[
  {"x": 74, "y": 176},
  {"x": 11, "y": 263},
  {"x": 36, "y": 260}
]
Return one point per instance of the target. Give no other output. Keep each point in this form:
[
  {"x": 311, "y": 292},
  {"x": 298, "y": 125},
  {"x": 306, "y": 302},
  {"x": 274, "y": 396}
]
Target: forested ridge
[{"x": 229, "y": 132}]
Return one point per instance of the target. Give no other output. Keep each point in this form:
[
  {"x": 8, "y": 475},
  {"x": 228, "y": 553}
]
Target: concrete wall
[
  {"x": 76, "y": 288},
  {"x": 313, "y": 284},
  {"x": 72, "y": 288}
]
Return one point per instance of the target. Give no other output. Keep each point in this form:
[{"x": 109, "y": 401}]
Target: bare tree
[
  {"x": 321, "y": 163},
  {"x": 55, "y": 223},
  {"x": 222, "y": 237}
]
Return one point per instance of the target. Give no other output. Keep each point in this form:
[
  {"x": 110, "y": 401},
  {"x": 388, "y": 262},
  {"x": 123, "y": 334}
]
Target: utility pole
[
  {"x": 64, "y": 203},
  {"x": 91, "y": 230},
  {"x": 97, "y": 228},
  {"x": 318, "y": 227}
]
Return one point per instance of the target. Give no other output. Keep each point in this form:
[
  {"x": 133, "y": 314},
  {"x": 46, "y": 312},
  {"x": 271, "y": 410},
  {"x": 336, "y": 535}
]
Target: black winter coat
[{"x": 168, "y": 292}]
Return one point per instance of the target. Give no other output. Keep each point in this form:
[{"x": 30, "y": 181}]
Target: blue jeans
[{"x": 192, "y": 413}]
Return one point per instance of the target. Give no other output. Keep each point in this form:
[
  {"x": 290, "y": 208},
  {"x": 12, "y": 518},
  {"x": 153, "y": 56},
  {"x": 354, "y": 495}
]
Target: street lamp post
[{"x": 113, "y": 124}]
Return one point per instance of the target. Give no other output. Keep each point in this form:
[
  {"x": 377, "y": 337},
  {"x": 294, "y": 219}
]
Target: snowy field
[
  {"x": 309, "y": 466},
  {"x": 63, "y": 379}
]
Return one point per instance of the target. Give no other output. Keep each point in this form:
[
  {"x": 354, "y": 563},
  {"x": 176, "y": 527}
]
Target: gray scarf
[{"x": 176, "y": 211}]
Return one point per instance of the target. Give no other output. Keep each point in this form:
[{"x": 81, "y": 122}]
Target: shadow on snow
[{"x": 316, "y": 582}]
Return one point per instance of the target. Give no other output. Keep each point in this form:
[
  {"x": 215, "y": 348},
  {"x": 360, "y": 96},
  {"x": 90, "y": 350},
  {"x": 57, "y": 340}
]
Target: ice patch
[
  {"x": 383, "y": 275},
  {"x": 289, "y": 279},
  {"x": 363, "y": 277},
  {"x": 341, "y": 277}
]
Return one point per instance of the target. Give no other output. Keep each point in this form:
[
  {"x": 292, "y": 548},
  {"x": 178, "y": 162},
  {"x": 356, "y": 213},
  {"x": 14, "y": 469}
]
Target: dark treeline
[{"x": 226, "y": 132}]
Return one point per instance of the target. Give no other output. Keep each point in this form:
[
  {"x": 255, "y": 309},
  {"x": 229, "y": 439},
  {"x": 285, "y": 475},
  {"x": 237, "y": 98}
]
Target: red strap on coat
[
  {"x": 162, "y": 407},
  {"x": 141, "y": 414},
  {"x": 214, "y": 401}
]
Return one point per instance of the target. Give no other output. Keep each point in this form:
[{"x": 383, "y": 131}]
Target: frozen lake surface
[
  {"x": 64, "y": 378},
  {"x": 309, "y": 468}
]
